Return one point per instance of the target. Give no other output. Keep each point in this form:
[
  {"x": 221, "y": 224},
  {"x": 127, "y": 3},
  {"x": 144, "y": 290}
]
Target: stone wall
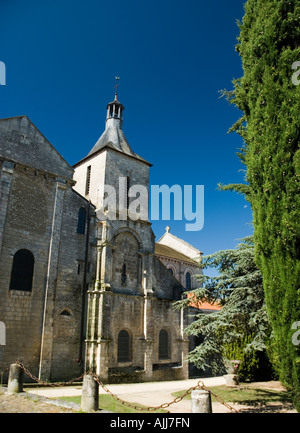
[
  {"x": 165, "y": 285},
  {"x": 39, "y": 213},
  {"x": 21, "y": 141},
  {"x": 180, "y": 269},
  {"x": 97, "y": 174},
  {"x": 143, "y": 319},
  {"x": 125, "y": 262},
  {"x": 22, "y": 311}
]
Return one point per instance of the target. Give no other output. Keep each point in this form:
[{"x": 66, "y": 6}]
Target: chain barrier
[
  {"x": 148, "y": 408},
  {"x": 54, "y": 384},
  {"x": 200, "y": 385}
]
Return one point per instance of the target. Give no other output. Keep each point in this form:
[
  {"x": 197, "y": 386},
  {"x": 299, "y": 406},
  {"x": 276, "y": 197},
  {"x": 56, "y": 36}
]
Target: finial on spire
[{"x": 116, "y": 87}]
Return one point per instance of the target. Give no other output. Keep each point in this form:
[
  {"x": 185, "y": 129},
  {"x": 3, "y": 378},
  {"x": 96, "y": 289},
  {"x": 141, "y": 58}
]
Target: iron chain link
[{"x": 52, "y": 384}]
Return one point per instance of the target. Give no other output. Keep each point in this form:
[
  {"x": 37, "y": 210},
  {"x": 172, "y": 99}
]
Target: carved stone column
[
  {"x": 146, "y": 275},
  {"x": 147, "y": 333},
  {"x": 97, "y": 341}
]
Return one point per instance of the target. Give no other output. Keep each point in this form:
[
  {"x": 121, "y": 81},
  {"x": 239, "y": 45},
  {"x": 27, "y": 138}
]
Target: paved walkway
[{"x": 147, "y": 393}]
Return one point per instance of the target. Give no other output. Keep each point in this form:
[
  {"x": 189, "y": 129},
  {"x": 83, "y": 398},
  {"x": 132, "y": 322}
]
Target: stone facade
[
  {"x": 39, "y": 213},
  {"x": 97, "y": 296}
]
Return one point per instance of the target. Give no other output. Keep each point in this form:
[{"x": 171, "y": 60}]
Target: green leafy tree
[
  {"x": 241, "y": 328},
  {"x": 268, "y": 95}
]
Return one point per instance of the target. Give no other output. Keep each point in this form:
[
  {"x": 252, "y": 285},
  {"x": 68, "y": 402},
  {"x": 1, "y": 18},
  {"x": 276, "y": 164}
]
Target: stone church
[{"x": 81, "y": 289}]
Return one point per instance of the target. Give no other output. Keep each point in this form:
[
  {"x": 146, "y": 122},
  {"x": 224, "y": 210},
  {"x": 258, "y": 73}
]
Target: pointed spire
[
  {"x": 116, "y": 87},
  {"x": 113, "y": 135}
]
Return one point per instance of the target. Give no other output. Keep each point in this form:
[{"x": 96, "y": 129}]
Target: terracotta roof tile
[{"x": 204, "y": 305}]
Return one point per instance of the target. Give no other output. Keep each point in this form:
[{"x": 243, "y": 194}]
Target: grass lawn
[
  {"x": 245, "y": 395},
  {"x": 106, "y": 402}
]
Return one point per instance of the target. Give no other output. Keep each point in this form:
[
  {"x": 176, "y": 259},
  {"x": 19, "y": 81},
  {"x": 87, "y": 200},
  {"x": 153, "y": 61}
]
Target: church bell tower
[{"x": 125, "y": 245}]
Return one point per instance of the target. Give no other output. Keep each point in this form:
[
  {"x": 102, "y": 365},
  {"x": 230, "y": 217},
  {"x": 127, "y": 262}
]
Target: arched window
[
  {"x": 123, "y": 275},
  {"x": 124, "y": 352},
  {"x": 163, "y": 349},
  {"x": 188, "y": 281},
  {"x": 81, "y": 221},
  {"x": 65, "y": 312},
  {"x": 22, "y": 271},
  {"x": 171, "y": 271}
]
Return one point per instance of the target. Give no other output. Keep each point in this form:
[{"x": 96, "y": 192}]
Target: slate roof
[
  {"x": 116, "y": 102},
  {"x": 114, "y": 138}
]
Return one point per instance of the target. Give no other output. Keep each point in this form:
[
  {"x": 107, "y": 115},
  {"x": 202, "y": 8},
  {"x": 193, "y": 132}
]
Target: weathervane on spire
[{"x": 116, "y": 86}]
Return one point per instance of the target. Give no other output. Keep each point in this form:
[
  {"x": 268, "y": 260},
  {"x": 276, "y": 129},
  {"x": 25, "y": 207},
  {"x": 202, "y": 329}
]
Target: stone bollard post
[
  {"x": 90, "y": 394},
  {"x": 201, "y": 401},
  {"x": 15, "y": 379},
  {"x": 232, "y": 379}
]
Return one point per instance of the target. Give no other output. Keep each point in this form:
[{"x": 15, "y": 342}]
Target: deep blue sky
[{"x": 173, "y": 57}]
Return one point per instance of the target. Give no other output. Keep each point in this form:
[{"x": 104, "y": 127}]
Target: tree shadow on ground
[
  {"x": 267, "y": 401},
  {"x": 267, "y": 408}
]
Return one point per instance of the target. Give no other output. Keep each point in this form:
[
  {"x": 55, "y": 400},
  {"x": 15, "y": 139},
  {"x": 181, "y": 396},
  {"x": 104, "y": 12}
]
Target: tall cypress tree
[{"x": 269, "y": 98}]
